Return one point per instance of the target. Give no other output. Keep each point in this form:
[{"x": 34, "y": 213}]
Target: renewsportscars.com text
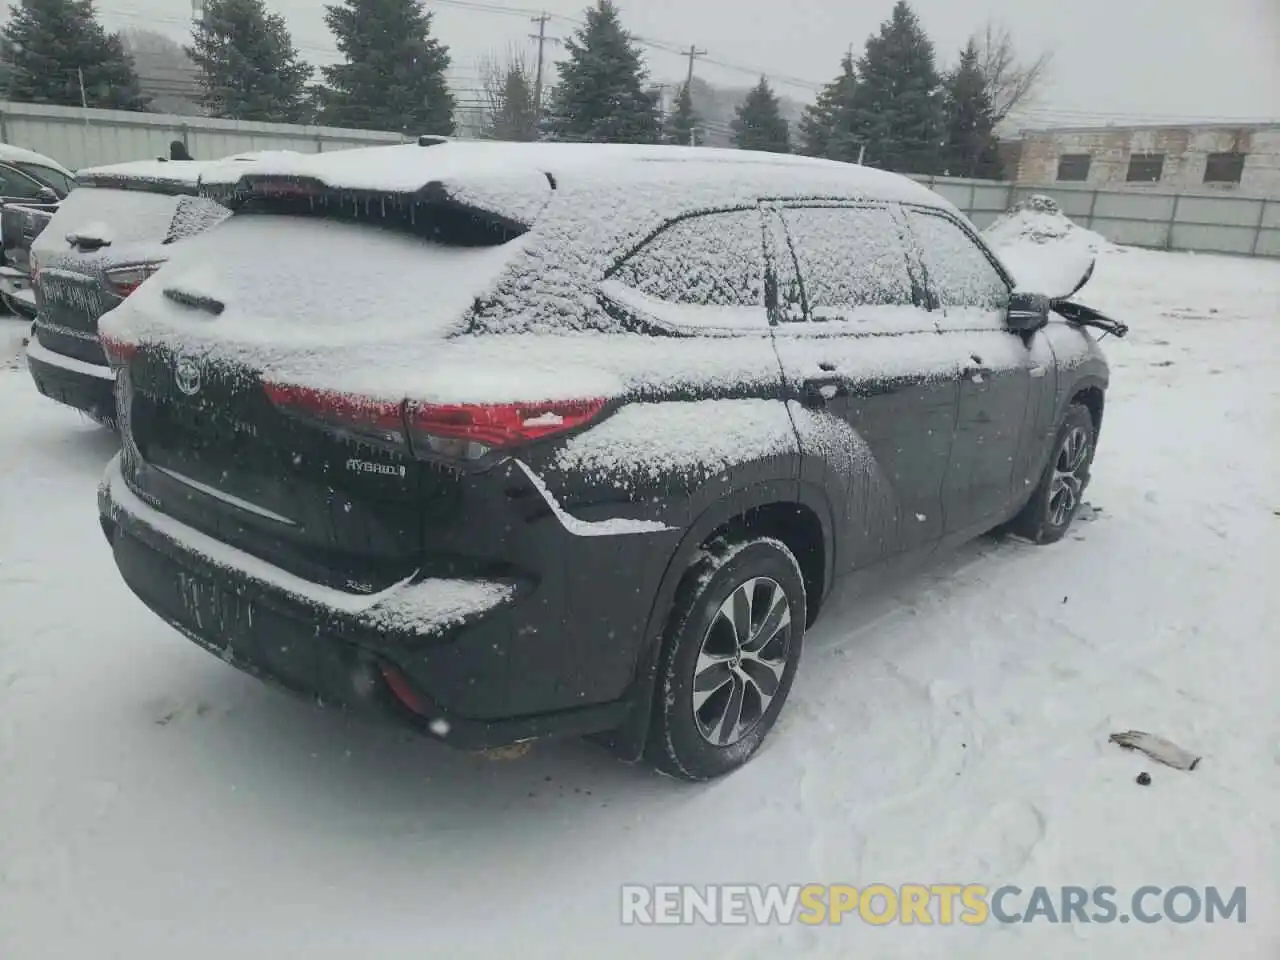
[{"x": 943, "y": 904}]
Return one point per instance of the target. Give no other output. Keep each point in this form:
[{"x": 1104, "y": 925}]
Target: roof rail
[{"x": 431, "y": 140}]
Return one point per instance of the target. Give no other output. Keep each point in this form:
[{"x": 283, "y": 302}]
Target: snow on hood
[{"x": 1043, "y": 249}]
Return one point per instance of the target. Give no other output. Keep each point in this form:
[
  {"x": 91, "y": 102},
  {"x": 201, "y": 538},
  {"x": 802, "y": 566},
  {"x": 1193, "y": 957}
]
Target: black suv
[
  {"x": 106, "y": 237},
  {"x": 503, "y": 441}
]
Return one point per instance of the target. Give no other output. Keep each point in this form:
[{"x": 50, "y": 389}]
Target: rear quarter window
[{"x": 712, "y": 260}]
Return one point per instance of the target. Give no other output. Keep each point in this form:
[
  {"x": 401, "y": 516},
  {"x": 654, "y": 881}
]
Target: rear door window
[
  {"x": 852, "y": 270},
  {"x": 18, "y": 185},
  {"x": 54, "y": 178},
  {"x": 703, "y": 272},
  {"x": 970, "y": 291}
]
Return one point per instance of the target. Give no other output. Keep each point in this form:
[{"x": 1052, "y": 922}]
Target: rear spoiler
[{"x": 287, "y": 188}]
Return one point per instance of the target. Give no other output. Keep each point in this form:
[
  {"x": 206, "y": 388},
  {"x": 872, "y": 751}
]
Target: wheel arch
[
  {"x": 794, "y": 512},
  {"x": 1090, "y": 392}
]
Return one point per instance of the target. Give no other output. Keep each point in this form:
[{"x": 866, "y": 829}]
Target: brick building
[{"x": 1235, "y": 159}]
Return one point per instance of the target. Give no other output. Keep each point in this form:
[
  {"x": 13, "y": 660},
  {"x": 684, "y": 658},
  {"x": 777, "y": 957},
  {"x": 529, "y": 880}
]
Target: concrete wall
[
  {"x": 1185, "y": 148},
  {"x": 1206, "y": 222},
  {"x": 80, "y": 138}
]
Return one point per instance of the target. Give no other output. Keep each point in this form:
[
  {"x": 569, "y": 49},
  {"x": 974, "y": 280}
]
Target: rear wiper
[
  {"x": 195, "y": 301},
  {"x": 1078, "y": 313},
  {"x": 87, "y": 240}
]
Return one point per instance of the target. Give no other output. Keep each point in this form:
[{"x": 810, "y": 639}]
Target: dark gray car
[{"x": 106, "y": 238}]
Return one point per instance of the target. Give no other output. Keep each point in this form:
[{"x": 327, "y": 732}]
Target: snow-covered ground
[{"x": 156, "y": 803}]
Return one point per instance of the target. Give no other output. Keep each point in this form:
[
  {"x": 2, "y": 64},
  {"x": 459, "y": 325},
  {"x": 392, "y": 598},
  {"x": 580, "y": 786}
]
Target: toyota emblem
[{"x": 187, "y": 373}]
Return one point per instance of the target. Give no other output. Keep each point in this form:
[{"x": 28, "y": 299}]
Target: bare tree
[
  {"x": 509, "y": 110},
  {"x": 1009, "y": 80}
]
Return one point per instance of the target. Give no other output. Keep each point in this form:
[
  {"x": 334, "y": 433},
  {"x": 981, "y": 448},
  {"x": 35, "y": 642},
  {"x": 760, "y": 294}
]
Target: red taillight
[
  {"x": 125, "y": 280},
  {"x": 399, "y": 685},
  {"x": 119, "y": 352},
  {"x": 383, "y": 419},
  {"x": 465, "y": 431},
  {"x": 499, "y": 424}
]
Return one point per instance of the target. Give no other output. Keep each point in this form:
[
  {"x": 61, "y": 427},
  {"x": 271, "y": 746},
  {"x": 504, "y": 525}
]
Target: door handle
[{"x": 818, "y": 390}]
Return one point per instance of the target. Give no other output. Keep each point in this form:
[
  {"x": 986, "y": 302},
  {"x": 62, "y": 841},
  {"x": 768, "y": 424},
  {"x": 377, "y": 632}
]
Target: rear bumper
[
  {"x": 401, "y": 655},
  {"x": 85, "y": 386}
]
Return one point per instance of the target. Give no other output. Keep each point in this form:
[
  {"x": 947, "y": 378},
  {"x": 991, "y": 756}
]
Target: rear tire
[
  {"x": 730, "y": 655},
  {"x": 1060, "y": 493}
]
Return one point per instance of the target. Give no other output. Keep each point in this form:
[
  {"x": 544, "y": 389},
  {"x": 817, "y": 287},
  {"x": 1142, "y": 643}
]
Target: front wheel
[
  {"x": 1060, "y": 493},
  {"x": 729, "y": 658}
]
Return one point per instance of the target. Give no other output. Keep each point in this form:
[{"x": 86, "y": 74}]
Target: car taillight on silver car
[{"x": 122, "y": 281}]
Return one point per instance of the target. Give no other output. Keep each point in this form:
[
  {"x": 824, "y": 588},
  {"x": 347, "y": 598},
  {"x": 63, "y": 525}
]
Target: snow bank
[{"x": 1044, "y": 250}]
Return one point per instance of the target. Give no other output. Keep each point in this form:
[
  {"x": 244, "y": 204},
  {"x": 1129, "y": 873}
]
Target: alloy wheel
[
  {"x": 741, "y": 661},
  {"x": 1069, "y": 470}
]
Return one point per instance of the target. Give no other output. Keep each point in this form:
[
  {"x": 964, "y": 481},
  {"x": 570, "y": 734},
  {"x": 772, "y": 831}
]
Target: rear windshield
[
  {"x": 280, "y": 277},
  {"x": 130, "y": 216}
]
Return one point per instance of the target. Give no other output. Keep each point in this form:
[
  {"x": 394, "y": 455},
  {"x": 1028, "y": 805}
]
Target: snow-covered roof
[
  {"x": 408, "y": 168},
  {"x": 584, "y": 205},
  {"x": 165, "y": 173},
  {"x": 172, "y": 173},
  {"x": 11, "y": 154}
]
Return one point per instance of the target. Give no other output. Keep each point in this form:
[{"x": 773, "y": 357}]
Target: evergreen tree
[
  {"x": 53, "y": 44},
  {"x": 394, "y": 75},
  {"x": 759, "y": 124},
  {"x": 601, "y": 95},
  {"x": 971, "y": 149},
  {"x": 898, "y": 101},
  {"x": 681, "y": 128},
  {"x": 249, "y": 67},
  {"x": 511, "y": 113},
  {"x": 826, "y": 129}
]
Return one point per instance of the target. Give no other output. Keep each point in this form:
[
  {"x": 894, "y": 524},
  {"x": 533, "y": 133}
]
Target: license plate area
[{"x": 217, "y": 614}]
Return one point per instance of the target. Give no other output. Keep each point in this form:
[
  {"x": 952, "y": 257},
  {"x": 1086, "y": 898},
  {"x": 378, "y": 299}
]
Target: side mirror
[
  {"x": 47, "y": 195},
  {"x": 1028, "y": 312}
]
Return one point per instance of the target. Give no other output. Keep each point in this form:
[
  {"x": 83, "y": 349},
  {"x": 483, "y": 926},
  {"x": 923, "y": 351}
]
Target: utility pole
[
  {"x": 541, "y": 37},
  {"x": 693, "y": 54}
]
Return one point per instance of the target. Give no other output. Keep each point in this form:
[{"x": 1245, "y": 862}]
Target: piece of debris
[
  {"x": 1144, "y": 779},
  {"x": 1157, "y": 748},
  {"x": 513, "y": 752}
]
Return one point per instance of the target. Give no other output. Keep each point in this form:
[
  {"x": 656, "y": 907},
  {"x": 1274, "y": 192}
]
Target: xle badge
[{"x": 385, "y": 469}]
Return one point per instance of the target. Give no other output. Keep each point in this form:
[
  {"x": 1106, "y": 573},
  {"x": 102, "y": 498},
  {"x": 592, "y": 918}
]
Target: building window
[
  {"x": 1224, "y": 168},
  {"x": 1145, "y": 167},
  {"x": 1074, "y": 166}
]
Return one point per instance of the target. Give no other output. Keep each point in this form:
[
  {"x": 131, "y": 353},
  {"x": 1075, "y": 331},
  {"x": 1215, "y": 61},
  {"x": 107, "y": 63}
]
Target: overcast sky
[{"x": 1113, "y": 59}]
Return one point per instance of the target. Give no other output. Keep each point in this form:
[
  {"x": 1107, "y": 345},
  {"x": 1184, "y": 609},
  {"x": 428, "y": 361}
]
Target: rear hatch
[
  {"x": 319, "y": 482},
  {"x": 101, "y": 244}
]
